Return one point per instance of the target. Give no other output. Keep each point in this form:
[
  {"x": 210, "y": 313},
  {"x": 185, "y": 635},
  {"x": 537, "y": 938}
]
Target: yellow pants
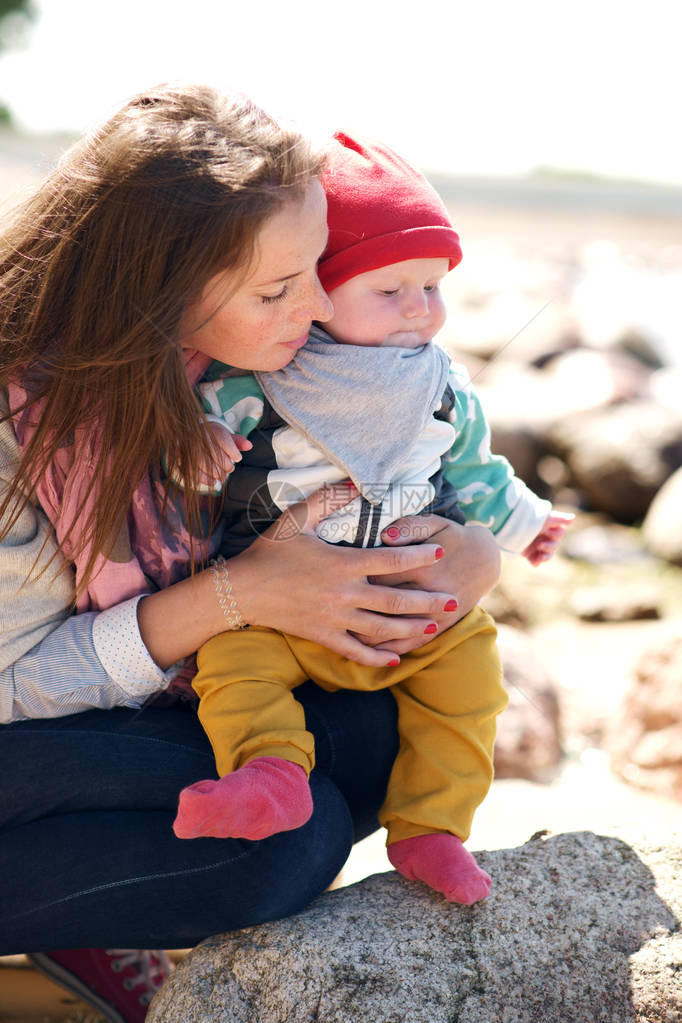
[{"x": 448, "y": 693}]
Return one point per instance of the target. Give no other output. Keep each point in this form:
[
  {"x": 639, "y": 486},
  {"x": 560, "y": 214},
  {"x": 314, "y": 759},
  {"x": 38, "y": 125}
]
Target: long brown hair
[{"x": 96, "y": 268}]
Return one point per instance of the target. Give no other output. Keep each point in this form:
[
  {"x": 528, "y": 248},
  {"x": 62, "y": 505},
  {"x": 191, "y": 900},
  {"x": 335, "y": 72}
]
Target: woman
[{"x": 187, "y": 229}]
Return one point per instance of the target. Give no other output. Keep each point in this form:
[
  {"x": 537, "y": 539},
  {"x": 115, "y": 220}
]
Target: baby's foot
[
  {"x": 442, "y": 862},
  {"x": 265, "y": 796}
]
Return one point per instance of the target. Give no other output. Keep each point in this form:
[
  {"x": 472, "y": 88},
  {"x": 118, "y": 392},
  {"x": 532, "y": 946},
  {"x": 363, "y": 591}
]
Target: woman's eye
[{"x": 275, "y": 298}]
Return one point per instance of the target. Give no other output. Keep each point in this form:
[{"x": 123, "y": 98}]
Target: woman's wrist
[
  {"x": 227, "y": 601},
  {"x": 176, "y": 621},
  {"x": 123, "y": 653}
]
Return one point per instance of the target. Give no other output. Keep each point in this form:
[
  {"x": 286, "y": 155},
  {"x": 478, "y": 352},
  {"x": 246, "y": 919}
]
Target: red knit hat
[{"x": 381, "y": 211}]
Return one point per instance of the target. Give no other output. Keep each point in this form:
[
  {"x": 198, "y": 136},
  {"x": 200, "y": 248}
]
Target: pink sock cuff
[{"x": 266, "y": 796}]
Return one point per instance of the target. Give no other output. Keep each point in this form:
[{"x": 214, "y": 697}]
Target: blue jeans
[{"x": 87, "y": 854}]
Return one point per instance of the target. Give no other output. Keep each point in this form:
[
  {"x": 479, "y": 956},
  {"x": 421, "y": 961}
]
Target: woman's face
[{"x": 262, "y": 324}]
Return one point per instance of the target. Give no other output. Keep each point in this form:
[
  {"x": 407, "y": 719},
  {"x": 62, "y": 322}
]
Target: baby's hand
[
  {"x": 546, "y": 542},
  {"x": 227, "y": 448}
]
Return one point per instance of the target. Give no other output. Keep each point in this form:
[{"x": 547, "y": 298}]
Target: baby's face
[{"x": 398, "y": 305}]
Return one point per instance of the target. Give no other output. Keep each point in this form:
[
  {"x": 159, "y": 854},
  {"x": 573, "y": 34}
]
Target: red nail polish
[
  {"x": 451, "y": 605},
  {"x": 430, "y": 629},
  {"x": 393, "y": 664},
  {"x": 439, "y": 552},
  {"x": 392, "y": 532}
]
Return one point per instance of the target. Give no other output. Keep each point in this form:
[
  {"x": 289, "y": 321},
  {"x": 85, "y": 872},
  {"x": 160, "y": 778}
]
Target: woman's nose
[{"x": 322, "y": 308}]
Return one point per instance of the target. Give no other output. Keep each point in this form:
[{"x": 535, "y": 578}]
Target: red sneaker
[{"x": 119, "y": 982}]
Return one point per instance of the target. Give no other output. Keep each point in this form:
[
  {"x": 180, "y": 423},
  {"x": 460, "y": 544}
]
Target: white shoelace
[{"x": 152, "y": 968}]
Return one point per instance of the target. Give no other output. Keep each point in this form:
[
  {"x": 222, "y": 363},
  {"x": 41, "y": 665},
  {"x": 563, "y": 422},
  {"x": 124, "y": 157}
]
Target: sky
[{"x": 482, "y": 86}]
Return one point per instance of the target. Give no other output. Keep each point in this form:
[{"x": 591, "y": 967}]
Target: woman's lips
[{"x": 298, "y": 342}]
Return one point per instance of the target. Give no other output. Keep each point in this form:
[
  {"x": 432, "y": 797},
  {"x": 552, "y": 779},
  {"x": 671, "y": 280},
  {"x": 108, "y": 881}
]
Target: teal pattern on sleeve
[
  {"x": 485, "y": 483},
  {"x": 237, "y": 400}
]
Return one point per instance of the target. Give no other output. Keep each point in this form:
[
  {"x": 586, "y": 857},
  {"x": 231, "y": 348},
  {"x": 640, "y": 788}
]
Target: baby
[{"x": 370, "y": 398}]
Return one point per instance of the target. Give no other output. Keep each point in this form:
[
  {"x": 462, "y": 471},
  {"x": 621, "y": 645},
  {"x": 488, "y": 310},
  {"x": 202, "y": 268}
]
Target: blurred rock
[
  {"x": 619, "y": 295},
  {"x": 578, "y": 927},
  {"x": 528, "y": 398},
  {"x": 553, "y": 472},
  {"x": 665, "y": 386},
  {"x": 597, "y": 378},
  {"x": 615, "y": 603},
  {"x": 523, "y": 448},
  {"x": 528, "y": 732},
  {"x": 646, "y": 738},
  {"x": 662, "y": 529},
  {"x": 505, "y": 610},
  {"x": 620, "y": 456},
  {"x": 529, "y": 402},
  {"x": 507, "y": 301},
  {"x": 643, "y": 348},
  {"x": 603, "y": 544}
]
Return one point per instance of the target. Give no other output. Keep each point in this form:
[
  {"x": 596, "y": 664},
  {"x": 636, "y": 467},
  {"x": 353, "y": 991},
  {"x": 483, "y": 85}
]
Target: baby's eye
[
  {"x": 428, "y": 288},
  {"x": 394, "y": 291},
  {"x": 275, "y": 298}
]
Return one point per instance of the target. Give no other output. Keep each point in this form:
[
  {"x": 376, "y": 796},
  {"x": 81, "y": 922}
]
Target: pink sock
[
  {"x": 265, "y": 796},
  {"x": 442, "y": 862}
]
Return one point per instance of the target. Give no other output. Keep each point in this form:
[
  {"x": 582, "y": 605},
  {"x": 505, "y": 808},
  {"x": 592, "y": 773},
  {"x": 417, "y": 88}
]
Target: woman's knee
[
  {"x": 280, "y": 875},
  {"x": 304, "y": 862},
  {"x": 134, "y": 883}
]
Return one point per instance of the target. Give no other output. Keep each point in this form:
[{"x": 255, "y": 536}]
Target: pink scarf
[{"x": 153, "y": 551}]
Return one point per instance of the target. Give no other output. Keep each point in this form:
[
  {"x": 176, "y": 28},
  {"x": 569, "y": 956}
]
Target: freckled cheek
[{"x": 266, "y": 334}]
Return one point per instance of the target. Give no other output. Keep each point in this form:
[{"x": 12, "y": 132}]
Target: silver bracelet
[{"x": 223, "y": 590}]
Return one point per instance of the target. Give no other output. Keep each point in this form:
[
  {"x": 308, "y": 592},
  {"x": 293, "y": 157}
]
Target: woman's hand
[
  {"x": 290, "y": 580},
  {"x": 469, "y": 568}
]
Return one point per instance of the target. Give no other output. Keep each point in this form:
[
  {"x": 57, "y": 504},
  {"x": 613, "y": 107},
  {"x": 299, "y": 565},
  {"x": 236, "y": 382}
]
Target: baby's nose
[{"x": 417, "y": 304}]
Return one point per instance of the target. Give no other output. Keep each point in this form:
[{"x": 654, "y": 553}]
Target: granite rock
[
  {"x": 645, "y": 740},
  {"x": 620, "y": 456},
  {"x": 662, "y": 528},
  {"x": 603, "y": 543},
  {"x": 616, "y": 602},
  {"x": 523, "y": 448},
  {"x": 579, "y": 927}
]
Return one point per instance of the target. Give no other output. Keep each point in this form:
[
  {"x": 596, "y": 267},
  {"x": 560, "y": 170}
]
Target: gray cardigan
[{"x": 53, "y": 662}]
